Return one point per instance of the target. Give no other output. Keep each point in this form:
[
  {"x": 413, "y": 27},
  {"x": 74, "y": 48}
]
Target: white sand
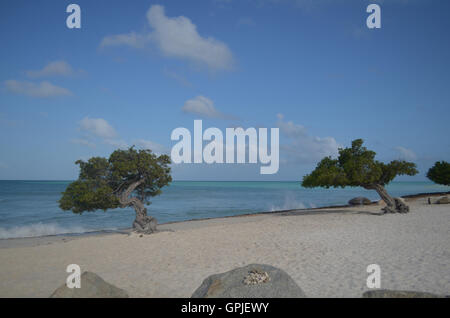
[{"x": 326, "y": 254}]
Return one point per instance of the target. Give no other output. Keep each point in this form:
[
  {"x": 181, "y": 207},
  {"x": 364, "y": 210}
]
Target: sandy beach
[{"x": 325, "y": 251}]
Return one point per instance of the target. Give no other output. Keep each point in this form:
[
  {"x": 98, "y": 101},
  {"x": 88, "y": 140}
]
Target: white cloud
[
  {"x": 304, "y": 148},
  {"x": 203, "y": 106},
  {"x": 177, "y": 77},
  {"x": 153, "y": 146},
  {"x": 98, "y": 127},
  {"x": 177, "y": 37},
  {"x": 56, "y": 68},
  {"x": 42, "y": 90},
  {"x": 117, "y": 143},
  {"x": 405, "y": 154},
  {"x": 132, "y": 39},
  {"x": 83, "y": 142},
  {"x": 290, "y": 129}
]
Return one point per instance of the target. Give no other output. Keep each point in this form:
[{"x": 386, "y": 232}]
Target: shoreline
[
  {"x": 65, "y": 237},
  {"x": 326, "y": 251}
]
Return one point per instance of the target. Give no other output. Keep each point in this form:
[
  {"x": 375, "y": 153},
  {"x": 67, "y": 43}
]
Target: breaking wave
[
  {"x": 290, "y": 203},
  {"x": 39, "y": 229}
]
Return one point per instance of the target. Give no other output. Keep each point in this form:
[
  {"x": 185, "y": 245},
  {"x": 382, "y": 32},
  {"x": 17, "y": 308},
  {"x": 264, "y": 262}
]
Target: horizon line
[{"x": 71, "y": 180}]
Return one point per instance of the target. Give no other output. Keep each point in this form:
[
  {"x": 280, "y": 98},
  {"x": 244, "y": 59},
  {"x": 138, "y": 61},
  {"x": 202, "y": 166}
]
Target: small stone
[
  {"x": 92, "y": 286},
  {"x": 359, "y": 201},
  {"x": 251, "y": 281},
  {"x": 443, "y": 200}
]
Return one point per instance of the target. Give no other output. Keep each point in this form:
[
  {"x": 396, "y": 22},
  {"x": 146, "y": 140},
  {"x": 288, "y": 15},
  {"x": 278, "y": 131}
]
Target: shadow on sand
[{"x": 326, "y": 211}]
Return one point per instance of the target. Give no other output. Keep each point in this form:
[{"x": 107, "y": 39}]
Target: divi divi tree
[
  {"x": 128, "y": 178},
  {"x": 357, "y": 167}
]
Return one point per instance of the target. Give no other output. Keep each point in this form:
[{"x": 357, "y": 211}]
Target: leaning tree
[
  {"x": 356, "y": 167},
  {"x": 440, "y": 173},
  {"x": 127, "y": 179}
]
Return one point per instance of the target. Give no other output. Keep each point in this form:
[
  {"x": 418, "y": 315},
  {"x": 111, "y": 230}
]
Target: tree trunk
[
  {"x": 143, "y": 223},
  {"x": 393, "y": 205}
]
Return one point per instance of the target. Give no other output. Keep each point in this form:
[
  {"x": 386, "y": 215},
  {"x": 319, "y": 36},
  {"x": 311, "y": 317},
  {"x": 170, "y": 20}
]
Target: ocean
[{"x": 30, "y": 208}]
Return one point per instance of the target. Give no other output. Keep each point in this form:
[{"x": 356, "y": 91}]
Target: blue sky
[{"x": 311, "y": 68}]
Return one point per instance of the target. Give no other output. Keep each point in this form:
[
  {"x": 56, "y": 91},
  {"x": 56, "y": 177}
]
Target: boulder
[
  {"x": 402, "y": 200},
  {"x": 443, "y": 200},
  {"x": 359, "y": 201},
  {"x": 252, "y": 281},
  {"x": 92, "y": 286},
  {"x": 385, "y": 293}
]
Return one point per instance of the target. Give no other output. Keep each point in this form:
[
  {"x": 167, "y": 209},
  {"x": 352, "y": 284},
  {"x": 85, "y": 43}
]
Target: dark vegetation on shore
[
  {"x": 356, "y": 167},
  {"x": 128, "y": 178}
]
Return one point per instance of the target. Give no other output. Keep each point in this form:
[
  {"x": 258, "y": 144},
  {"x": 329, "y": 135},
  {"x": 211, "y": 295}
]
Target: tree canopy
[
  {"x": 356, "y": 166},
  {"x": 108, "y": 183},
  {"x": 440, "y": 173}
]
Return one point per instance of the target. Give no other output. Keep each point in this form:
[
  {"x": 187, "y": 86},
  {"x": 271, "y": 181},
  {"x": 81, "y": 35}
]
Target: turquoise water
[{"x": 30, "y": 208}]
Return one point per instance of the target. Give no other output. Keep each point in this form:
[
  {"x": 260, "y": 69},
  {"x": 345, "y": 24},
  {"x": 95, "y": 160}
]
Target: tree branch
[{"x": 124, "y": 196}]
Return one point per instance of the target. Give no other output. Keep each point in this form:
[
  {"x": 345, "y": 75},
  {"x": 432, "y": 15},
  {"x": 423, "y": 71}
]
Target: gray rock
[
  {"x": 359, "y": 201},
  {"x": 385, "y": 293},
  {"x": 402, "y": 200},
  {"x": 443, "y": 200},
  {"x": 251, "y": 281},
  {"x": 92, "y": 286}
]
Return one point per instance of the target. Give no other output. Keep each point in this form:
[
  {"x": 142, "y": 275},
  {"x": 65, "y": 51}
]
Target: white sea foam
[
  {"x": 290, "y": 203},
  {"x": 38, "y": 229}
]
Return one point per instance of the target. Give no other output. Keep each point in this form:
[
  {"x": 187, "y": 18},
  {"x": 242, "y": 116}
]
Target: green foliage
[
  {"x": 440, "y": 173},
  {"x": 88, "y": 195},
  {"x": 102, "y": 181},
  {"x": 356, "y": 166}
]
